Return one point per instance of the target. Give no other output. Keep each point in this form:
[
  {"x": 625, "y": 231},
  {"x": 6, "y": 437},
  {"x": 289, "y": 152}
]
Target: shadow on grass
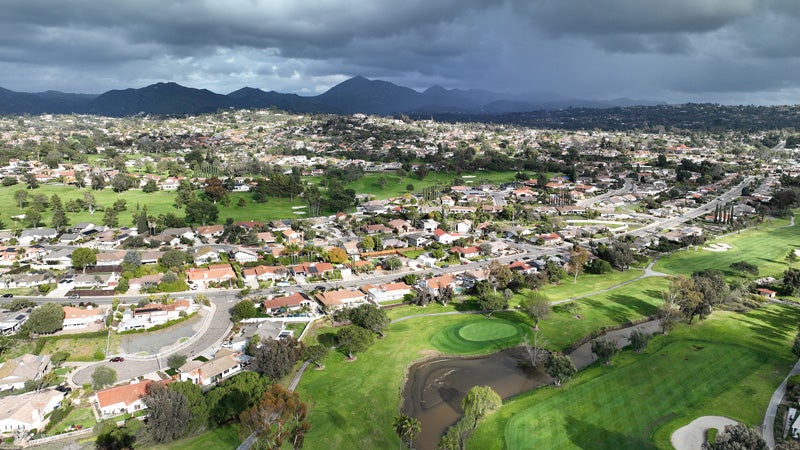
[
  {"x": 640, "y": 306},
  {"x": 589, "y": 436},
  {"x": 467, "y": 305},
  {"x": 327, "y": 339}
]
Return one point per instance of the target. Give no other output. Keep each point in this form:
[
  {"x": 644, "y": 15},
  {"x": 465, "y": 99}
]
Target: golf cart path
[
  {"x": 768, "y": 427},
  {"x": 693, "y": 435}
]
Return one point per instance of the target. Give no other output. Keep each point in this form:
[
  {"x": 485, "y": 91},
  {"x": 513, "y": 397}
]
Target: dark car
[
  {"x": 63, "y": 389},
  {"x": 8, "y": 296},
  {"x": 117, "y": 359}
]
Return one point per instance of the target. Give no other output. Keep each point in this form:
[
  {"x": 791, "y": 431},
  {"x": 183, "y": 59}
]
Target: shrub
[{"x": 98, "y": 355}]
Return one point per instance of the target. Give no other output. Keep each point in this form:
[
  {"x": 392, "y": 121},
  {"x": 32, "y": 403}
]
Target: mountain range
[{"x": 356, "y": 95}]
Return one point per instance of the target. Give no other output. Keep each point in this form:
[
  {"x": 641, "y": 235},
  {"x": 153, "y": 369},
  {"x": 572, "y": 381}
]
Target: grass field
[
  {"x": 766, "y": 247},
  {"x": 82, "y": 348},
  {"x": 396, "y": 186},
  {"x": 225, "y": 437},
  {"x": 587, "y": 283},
  {"x": 727, "y": 365},
  {"x": 354, "y": 402},
  {"x": 79, "y": 416},
  {"x": 630, "y": 302}
]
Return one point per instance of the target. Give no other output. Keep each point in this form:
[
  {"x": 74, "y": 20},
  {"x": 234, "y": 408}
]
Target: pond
[{"x": 435, "y": 387}]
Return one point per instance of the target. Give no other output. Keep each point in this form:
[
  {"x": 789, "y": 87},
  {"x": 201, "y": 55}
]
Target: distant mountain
[
  {"x": 160, "y": 99},
  {"x": 356, "y": 95}
]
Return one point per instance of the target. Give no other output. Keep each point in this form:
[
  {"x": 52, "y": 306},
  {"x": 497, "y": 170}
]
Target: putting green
[
  {"x": 485, "y": 331},
  {"x": 479, "y": 335}
]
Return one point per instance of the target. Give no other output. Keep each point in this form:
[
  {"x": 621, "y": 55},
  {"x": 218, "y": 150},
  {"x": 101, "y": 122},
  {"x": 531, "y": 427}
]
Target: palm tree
[{"x": 406, "y": 427}]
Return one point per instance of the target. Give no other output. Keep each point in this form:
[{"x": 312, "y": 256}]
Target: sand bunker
[
  {"x": 721, "y": 247},
  {"x": 692, "y": 436}
]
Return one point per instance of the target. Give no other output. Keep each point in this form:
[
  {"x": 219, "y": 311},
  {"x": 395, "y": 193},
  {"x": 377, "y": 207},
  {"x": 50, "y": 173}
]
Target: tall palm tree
[{"x": 406, "y": 427}]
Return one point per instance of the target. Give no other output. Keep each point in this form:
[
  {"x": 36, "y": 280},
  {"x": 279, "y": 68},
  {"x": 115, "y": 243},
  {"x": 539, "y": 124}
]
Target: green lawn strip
[
  {"x": 412, "y": 310},
  {"x": 616, "y": 307},
  {"x": 766, "y": 247},
  {"x": 727, "y": 365},
  {"x": 216, "y": 438},
  {"x": 354, "y": 402}
]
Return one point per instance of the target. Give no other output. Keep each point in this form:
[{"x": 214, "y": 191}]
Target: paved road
[
  {"x": 628, "y": 187},
  {"x": 217, "y": 328}
]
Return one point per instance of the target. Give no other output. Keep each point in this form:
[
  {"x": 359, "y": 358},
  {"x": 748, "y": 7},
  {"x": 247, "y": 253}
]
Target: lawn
[
  {"x": 354, "y": 402},
  {"x": 396, "y": 186},
  {"x": 587, "y": 283},
  {"x": 159, "y": 202},
  {"x": 726, "y": 365},
  {"x": 81, "y": 348},
  {"x": 79, "y": 416},
  {"x": 630, "y": 302},
  {"x": 216, "y": 438},
  {"x": 766, "y": 247}
]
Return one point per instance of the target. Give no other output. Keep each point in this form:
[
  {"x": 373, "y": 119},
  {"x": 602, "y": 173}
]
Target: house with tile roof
[
  {"x": 153, "y": 314},
  {"x": 332, "y": 300},
  {"x": 215, "y": 273},
  {"x": 82, "y": 317},
  {"x": 294, "y": 302},
  {"x": 121, "y": 399},
  {"x": 387, "y": 292}
]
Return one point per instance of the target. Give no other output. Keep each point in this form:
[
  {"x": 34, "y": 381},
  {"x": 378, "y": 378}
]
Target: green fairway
[
  {"x": 476, "y": 336},
  {"x": 396, "y": 186},
  {"x": 354, "y": 402},
  {"x": 766, "y": 247},
  {"x": 630, "y": 302},
  {"x": 587, "y": 283},
  {"x": 159, "y": 202},
  {"x": 727, "y": 365}
]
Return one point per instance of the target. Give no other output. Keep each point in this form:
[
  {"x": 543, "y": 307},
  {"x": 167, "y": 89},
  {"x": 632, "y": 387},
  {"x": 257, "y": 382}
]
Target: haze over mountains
[{"x": 356, "y": 95}]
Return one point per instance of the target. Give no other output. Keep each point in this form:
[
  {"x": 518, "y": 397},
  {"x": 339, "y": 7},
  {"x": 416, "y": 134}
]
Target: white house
[
  {"x": 82, "y": 317},
  {"x": 27, "y": 237},
  {"x": 121, "y": 399},
  {"x": 244, "y": 255},
  {"x": 154, "y": 314},
  {"x": 226, "y": 363},
  {"x": 15, "y": 372},
  {"x": 26, "y": 412},
  {"x": 387, "y": 292}
]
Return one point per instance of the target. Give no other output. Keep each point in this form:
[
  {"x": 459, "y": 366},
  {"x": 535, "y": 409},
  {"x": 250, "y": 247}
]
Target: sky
[{"x": 726, "y": 51}]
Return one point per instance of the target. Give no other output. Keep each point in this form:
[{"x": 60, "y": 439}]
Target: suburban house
[
  {"x": 205, "y": 255},
  {"x": 215, "y": 273},
  {"x": 135, "y": 284},
  {"x": 435, "y": 284},
  {"x": 25, "y": 412},
  {"x": 387, "y": 292},
  {"x": 210, "y": 231},
  {"x": 15, "y": 372},
  {"x": 312, "y": 269},
  {"x": 82, "y": 317},
  {"x": 27, "y": 237},
  {"x": 226, "y": 363},
  {"x": 125, "y": 399},
  {"x": 110, "y": 258},
  {"x": 466, "y": 252},
  {"x": 154, "y": 314},
  {"x": 766, "y": 292},
  {"x": 332, "y": 300},
  {"x": 261, "y": 273},
  {"x": 245, "y": 255},
  {"x": 443, "y": 237},
  {"x": 294, "y": 302}
]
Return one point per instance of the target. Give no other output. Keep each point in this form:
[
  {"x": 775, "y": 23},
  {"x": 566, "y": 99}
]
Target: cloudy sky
[{"x": 729, "y": 51}]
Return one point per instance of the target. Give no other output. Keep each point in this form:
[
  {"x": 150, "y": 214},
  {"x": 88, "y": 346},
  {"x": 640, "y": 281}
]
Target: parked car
[
  {"x": 117, "y": 359},
  {"x": 74, "y": 297},
  {"x": 8, "y": 295},
  {"x": 64, "y": 389}
]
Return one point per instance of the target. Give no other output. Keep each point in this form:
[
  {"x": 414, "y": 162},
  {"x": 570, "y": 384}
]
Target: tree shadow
[
  {"x": 327, "y": 339},
  {"x": 589, "y": 436}
]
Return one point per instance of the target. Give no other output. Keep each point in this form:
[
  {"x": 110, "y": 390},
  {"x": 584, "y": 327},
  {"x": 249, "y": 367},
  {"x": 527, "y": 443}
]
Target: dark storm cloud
[{"x": 665, "y": 49}]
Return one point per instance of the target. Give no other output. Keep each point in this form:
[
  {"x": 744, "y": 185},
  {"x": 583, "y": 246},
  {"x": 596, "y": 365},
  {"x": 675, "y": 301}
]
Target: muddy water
[{"x": 435, "y": 388}]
